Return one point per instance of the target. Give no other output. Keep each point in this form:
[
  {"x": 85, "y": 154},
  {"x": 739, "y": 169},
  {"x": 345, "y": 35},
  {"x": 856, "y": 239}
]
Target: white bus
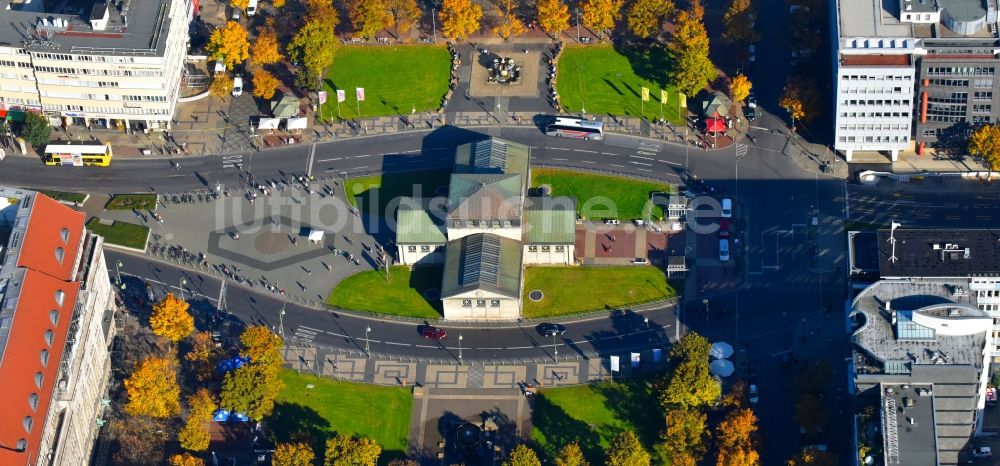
[{"x": 579, "y": 128}]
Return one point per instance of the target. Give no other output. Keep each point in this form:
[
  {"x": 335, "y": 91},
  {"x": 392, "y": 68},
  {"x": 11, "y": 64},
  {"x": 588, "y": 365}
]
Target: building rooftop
[
  {"x": 863, "y": 249},
  {"x": 493, "y": 155},
  {"x": 870, "y": 18},
  {"x": 549, "y": 220},
  {"x": 911, "y": 323},
  {"x": 38, "y": 291},
  {"x": 421, "y": 221},
  {"x": 133, "y": 27},
  {"x": 917, "y": 442},
  {"x": 939, "y": 253},
  {"x": 484, "y": 262},
  {"x": 485, "y": 196}
]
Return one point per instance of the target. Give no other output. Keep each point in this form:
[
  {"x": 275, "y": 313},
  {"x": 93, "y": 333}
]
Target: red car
[
  {"x": 724, "y": 227},
  {"x": 433, "y": 333}
]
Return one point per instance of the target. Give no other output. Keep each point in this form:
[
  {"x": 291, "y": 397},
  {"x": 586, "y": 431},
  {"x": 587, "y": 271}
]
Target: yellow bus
[{"x": 78, "y": 155}]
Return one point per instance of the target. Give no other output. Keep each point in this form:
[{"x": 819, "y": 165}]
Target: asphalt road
[
  {"x": 927, "y": 207},
  {"x": 511, "y": 343}
]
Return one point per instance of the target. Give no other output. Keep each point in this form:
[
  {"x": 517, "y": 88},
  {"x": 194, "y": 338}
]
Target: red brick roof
[
  {"x": 874, "y": 60},
  {"x": 52, "y": 226}
]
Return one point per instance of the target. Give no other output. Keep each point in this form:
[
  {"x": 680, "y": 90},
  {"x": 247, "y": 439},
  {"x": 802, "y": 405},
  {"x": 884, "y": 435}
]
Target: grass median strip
[
  {"x": 131, "y": 201},
  {"x": 375, "y": 194},
  {"x": 600, "y": 196},
  {"x": 570, "y": 290},
  {"x": 403, "y": 296},
  {"x": 124, "y": 234},
  {"x": 319, "y": 408},
  {"x": 67, "y": 197}
]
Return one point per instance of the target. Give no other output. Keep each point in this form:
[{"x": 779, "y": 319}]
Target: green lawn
[
  {"x": 131, "y": 201},
  {"x": 120, "y": 233},
  {"x": 68, "y": 197},
  {"x": 396, "y": 79},
  {"x": 379, "y": 412},
  {"x": 376, "y": 193},
  {"x": 600, "y": 196},
  {"x": 593, "y": 414},
  {"x": 570, "y": 290},
  {"x": 369, "y": 291},
  {"x": 604, "y": 80}
]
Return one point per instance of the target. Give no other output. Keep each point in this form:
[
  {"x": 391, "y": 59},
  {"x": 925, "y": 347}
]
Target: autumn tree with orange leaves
[
  {"x": 459, "y": 18},
  {"x": 170, "y": 318},
  {"x": 734, "y": 436},
  {"x": 601, "y": 15},
  {"x": 152, "y": 389},
  {"x": 553, "y": 16},
  {"x": 229, "y": 44},
  {"x": 266, "y": 49},
  {"x": 509, "y": 24},
  {"x": 186, "y": 459},
  {"x": 194, "y": 436}
]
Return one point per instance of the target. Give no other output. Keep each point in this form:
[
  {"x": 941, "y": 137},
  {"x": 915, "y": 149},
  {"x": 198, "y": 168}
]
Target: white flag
[
  {"x": 322, "y": 97},
  {"x": 341, "y": 95},
  {"x": 615, "y": 364},
  {"x": 360, "y": 93},
  {"x": 635, "y": 359}
]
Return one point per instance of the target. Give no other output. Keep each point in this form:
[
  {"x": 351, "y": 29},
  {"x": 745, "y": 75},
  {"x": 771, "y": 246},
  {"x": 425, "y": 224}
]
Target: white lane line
[
  {"x": 490, "y": 348},
  {"x": 397, "y": 344},
  {"x": 362, "y": 156},
  {"x": 425, "y": 346},
  {"x": 616, "y": 165},
  {"x": 640, "y": 157},
  {"x": 608, "y": 153},
  {"x": 645, "y": 152},
  {"x": 520, "y": 347},
  {"x": 587, "y": 151},
  {"x": 410, "y": 151},
  {"x": 645, "y": 170},
  {"x": 558, "y": 148},
  {"x": 330, "y": 160},
  {"x": 671, "y": 163},
  {"x": 358, "y": 168},
  {"x": 587, "y": 161},
  {"x": 561, "y": 160},
  {"x": 643, "y": 164},
  {"x": 312, "y": 155}
]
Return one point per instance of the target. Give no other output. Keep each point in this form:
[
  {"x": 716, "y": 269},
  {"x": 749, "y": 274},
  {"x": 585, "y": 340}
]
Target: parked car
[
  {"x": 612, "y": 221},
  {"x": 750, "y": 113},
  {"x": 237, "y": 86},
  {"x": 753, "y": 53},
  {"x": 754, "y": 395},
  {"x": 640, "y": 261},
  {"x": 982, "y": 452},
  {"x": 723, "y": 250},
  {"x": 433, "y": 333},
  {"x": 727, "y": 208},
  {"x": 550, "y": 330},
  {"x": 724, "y": 225},
  {"x": 752, "y": 100}
]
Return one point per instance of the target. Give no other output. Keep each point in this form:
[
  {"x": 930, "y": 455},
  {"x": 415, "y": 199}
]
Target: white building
[
  {"x": 56, "y": 326},
  {"x": 104, "y": 67}
]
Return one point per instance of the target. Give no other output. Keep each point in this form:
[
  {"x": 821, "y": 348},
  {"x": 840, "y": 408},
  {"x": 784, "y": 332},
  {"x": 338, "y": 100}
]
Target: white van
[
  {"x": 724, "y": 250},
  {"x": 252, "y": 8},
  {"x": 727, "y": 208},
  {"x": 237, "y": 86}
]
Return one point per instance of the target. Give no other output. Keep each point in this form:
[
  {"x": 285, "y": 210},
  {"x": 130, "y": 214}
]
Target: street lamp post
[
  {"x": 577, "y": 24},
  {"x": 281, "y": 320},
  {"x": 182, "y": 283},
  {"x": 434, "y": 25},
  {"x": 555, "y": 349},
  {"x": 460, "y": 362},
  {"x": 368, "y": 351},
  {"x": 705, "y": 303},
  {"x": 118, "y": 273}
]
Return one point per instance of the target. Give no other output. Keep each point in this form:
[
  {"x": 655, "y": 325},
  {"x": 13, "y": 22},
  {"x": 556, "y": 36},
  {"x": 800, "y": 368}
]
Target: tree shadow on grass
[
  {"x": 290, "y": 421},
  {"x": 381, "y": 200},
  {"x": 651, "y": 62},
  {"x": 557, "y": 429},
  {"x": 634, "y": 401}
]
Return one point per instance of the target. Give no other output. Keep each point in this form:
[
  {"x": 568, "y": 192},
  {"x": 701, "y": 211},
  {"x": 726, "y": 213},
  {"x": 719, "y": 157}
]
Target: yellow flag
[
  {"x": 645, "y": 94},
  {"x": 684, "y": 101},
  {"x": 663, "y": 96}
]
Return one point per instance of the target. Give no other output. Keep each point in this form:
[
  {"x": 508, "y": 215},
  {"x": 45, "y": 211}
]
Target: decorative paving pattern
[
  {"x": 503, "y": 376},
  {"x": 553, "y": 374},
  {"x": 527, "y": 86},
  {"x": 301, "y": 359},
  {"x": 395, "y": 373},
  {"x": 340, "y": 367},
  {"x": 446, "y": 376},
  {"x": 475, "y": 377},
  {"x": 265, "y": 240}
]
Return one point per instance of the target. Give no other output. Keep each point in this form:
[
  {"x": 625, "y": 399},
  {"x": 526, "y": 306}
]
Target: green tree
[
  {"x": 170, "y": 318},
  {"x": 553, "y": 16},
  {"x": 984, "y": 142},
  {"x": 36, "y": 129},
  {"x": 293, "y": 454},
  {"x": 684, "y": 436},
  {"x": 313, "y": 47},
  {"x": 368, "y": 16},
  {"x": 229, "y": 44},
  {"x": 253, "y": 387},
  {"x": 691, "y": 347},
  {"x": 403, "y": 14},
  {"x": 738, "y": 23},
  {"x": 691, "y": 385},
  {"x": 645, "y": 17},
  {"x": 693, "y": 68},
  {"x": 601, "y": 15},
  {"x": 348, "y": 451},
  {"x": 626, "y": 450},
  {"x": 522, "y": 455},
  {"x": 152, "y": 389},
  {"x": 571, "y": 455}
]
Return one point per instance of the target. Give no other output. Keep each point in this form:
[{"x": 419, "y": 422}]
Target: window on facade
[
  {"x": 27, "y": 423},
  {"x": 495, "y": 303},
  {"x": 411, "y": 249},
  {"x": 457, "y": 224},
  {"x": 496, "y": 224},
  {"x": 54, "y": 317},
  {"x": 532, "y": 248},
  {"x": 45, "y": 357},
  {"x": 39, "y": 378},
  {"x": 49, "y": 336},
  {"x": 506, "y": 223},
  {"x": 60, "y": 297},
  {"x": 33, "y": 401},
  {"x": 480, "y": 303},
  {"x": 546, "y": 248},
  {"x": 466, "y": 303},
  {"x": 425, "y": 248},
  {"x": 560, "y": 248}
]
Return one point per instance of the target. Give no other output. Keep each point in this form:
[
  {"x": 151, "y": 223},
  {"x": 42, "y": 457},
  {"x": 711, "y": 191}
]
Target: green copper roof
[
  {"x": 492, "y": 155},
  {"x": 482, "y": 262},
  {"x": 416, "y": 222},
  {"x": 549, "y": 220}
]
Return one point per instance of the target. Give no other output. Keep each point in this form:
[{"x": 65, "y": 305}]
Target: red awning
[{"x": 715, "y": 125}]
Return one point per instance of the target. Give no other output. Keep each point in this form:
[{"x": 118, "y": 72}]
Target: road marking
[
  {"x": 425, "y": 346},
  {"x": 587, "y": 151},
  {"x": 645, "y": 152},
  {"x": 397, "y": 344},
  {"x": 587, "y": 161},
  {"x": 489, "y": 348},
  {"x": 645, "y": 170},
  {"x": 312, "y": 155},
  {"x": 410, "y": 151},
  {"x": 561, "y": 160},
  {"x": 643, "y": 164},
  {"x": 558, "y": 148},
  {"x": 616, "y": 165},
  {"x": 638, "y": 157},
  {"x": 358, "y": 168},
  {"x": 671, "y": 163},
  {"x": 362, "y": 156},
  {"x": 519, "y": 347},
  {"x": 608, "y": 153},
  {"x": 330, "y": 160},
  {"x": 230, "y": 161}
]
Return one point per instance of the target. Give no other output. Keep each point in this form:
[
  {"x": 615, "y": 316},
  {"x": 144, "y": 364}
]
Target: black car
[
  {"x": 551, "y": 330},
  {"x": 752, "y": 100},
  {"x": 750, "y": 113}
]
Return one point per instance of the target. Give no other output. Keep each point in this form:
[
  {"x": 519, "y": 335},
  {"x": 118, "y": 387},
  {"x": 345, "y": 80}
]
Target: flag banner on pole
[
  {"x": 341, "y": 95},
  {"x": 615, "y": 364},
  {"x": 360, "y": 93},
  {"x": 657, "y": 354},
  {"x": 645, "y": 94},
  {"x": 663, "y": 96},
  {"x": 322, "y": 97},
  {"x": 684, "y": 100},
  {"x": 635, "y": 360}
]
